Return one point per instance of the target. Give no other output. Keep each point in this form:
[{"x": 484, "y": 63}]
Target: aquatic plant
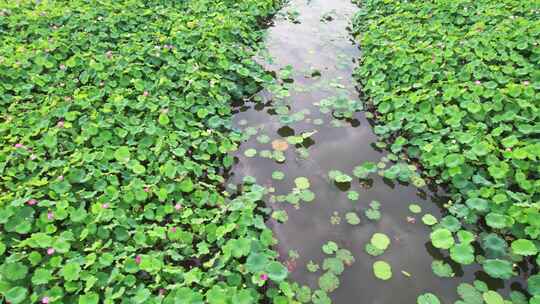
[
  {"x": 452, "y": 87},
  {"x": 115, "y": 132}
]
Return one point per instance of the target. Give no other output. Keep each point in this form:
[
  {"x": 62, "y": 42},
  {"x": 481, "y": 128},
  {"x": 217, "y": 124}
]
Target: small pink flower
[
  {"x": 145, "y": 94},
  {"x": 263, "y": 277},
  {"x": 62, "y": 67},
  {"x": 50, "y": 216},
  {"x": 478, "y": 82},
  {"x": 105, "y": 206},
  {"x": 138, "y": 259},
  {"x": 177, "y": 206},
  {"x": 19, "y": 145},
  {"x": 60, "y": 124},
  {"x": 161, "y": 291},
  {"x": 526, "y": 82},
  {"x": 60, "y": 178},
  {"x": 173, "y": 229},
  {"x": 50, "y": 251},
  {"x": 31, "y": 202},
  {"x": 146, "y": 189},
  {"x": 45, "y": 300}
]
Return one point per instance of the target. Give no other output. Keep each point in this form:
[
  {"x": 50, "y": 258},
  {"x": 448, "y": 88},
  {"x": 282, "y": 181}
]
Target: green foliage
[
  {"x": 352, "y": 218},
  {"x": 339, "y": 106},
  {"x": 382, "y": 270},
  {"x": 328, "y": 282},
  {"x": 496, "y": 268},
  {"x": 330, "y": 247},
  {"x": 339, "y": 177},
  {"x": 442, "y": 238},
  {"x": 415, "y": 208},
  {"x": 442, "y": 269},
  {"x": 429, "y": 219},
  {"x": 428, "y": 298},
  {"x": 301, "y": 183},
  {"x": 115, "y": 130},
  {"x": 454, "y": 86},
  {"x": 364, "y": 170},
  {"x": 373, "y": 213},
  {"x": 380, "y": 241}
]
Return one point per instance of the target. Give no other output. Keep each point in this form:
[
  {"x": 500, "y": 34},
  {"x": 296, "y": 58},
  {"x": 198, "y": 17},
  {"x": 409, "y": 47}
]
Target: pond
[{"x": 292, "y": 131}]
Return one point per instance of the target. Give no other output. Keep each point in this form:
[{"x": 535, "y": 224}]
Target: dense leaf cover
[
  {"x": 457, "y": 83},
  {"x": 115, "y": 128}
]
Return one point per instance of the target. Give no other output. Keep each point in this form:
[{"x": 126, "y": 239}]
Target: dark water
[{"x": 325, "y": 46}]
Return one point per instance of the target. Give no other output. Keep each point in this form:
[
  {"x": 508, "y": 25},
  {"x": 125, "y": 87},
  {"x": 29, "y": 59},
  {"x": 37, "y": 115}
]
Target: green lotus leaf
[
  {"x": 524, "y": 247},
  {"x": 499, "y": 269},
  {"x": 492, "y": 297},
  {"x": 428, "y": 298},
  {"x": 89, "y": 298},
  {"x": 429, "y": 220},
  {"x": 16, "y": 295},
  {"x": 533, "y": 285},
  {"x": 333, "y": 265},
  {"x": 462, "y": 253},
  {"x": 330, "y": 247},
  {"x": 493, "y": 245},
  {"x": 352, "y": 218},
  {"x": 276, "y": 271},
  {"x": 301, "y": 182},
  {"x": 328, "y": 282},
  {"x": 380, "y": 241},
  {"x": 442, "y": 238},
  {"x": 382, "y": 270},
  {"x": 415, "y": 208},
  {"x": 441, "y": 269}
]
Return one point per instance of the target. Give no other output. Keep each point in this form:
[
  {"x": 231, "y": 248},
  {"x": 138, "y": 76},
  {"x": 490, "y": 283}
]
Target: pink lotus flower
[
  {"x": 146, "y": 189},
  {"x": 526, "y": 82},
  {"x": 60, "y": 178},
  {"x": 50, "y": 216},
  {"x": 177, "y": 206},
  {"x": 173, "y": 229},
  {"x": 478, "y": 82},
  {"x": 161, "y": 291},
  {"x": 31, "y": 202},
  {"x": 138, "y": 259},
  {"x": 50, "y": 251},
  {"x": 263, "y": 277},
  {"x": 62, "y": 67},
  {"x": 45, "y": 300},
  {"x": 60, "y": 124},
  {"x": 145, "y": 94},
  {"x": 19, "y": 145},
  {"x": 105, "y": 206}
]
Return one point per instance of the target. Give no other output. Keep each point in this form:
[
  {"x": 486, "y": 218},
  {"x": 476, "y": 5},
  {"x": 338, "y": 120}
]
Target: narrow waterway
[{"x": 312, "y": 38}]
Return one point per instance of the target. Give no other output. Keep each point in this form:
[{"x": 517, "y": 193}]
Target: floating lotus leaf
[{"x": 382, "y": 270}]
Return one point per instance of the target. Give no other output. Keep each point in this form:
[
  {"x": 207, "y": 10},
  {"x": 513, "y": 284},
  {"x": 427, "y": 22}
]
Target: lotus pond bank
[
  {"x": 114, "y": 135},
  {"x": 454, "y": 87}
]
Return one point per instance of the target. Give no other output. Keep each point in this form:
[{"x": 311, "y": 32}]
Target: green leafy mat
[
  {"x": 115, "y": 128},
  {"x": 457, "y": 85}
]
